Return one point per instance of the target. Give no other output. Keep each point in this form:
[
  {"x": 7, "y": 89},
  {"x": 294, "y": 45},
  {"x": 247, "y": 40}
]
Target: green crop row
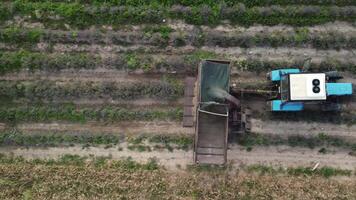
[
  {"x": 14, "y": 61},
  {"x": 32, "y": 61},
  {"x": 28, "y": 37},
  {"x": 329, "y": 64},
  {"x": 300, "y": 38},
  {"x": 186, "y": 63},
  {"x": 79, "y": 15},
  {"x": 300, "y": 171},
  {"x": 248, "y": 3},
  {"x": 15, "y": 138},
  {"x": 47, "y": 113},
  {"x": 170, "y": 142},
  {"x": 321, "y": 140},
  {"x": 167, "y": 89}
]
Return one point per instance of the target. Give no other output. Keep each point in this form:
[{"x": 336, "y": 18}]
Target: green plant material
[
  {"x": 160, "y": 35},
  {"x": 139, "y": 148},
  {"x": 322, "y": 140},
  {"x": 248, "y": 3},
  {"x": 83, "y": 15},
  {"x": 37, "y": 91},
  {"x": 163, "y": 30},
  {"x": 16, "y": 138},
  {"x": 171, "y": 142},
  {"x": 132, "y": 61},
  {"x": 137, "y": 140},
  {"x": 14, "y": 61},
  {"x": 194, "y": 59},
  {"x": 300, "y": 171},
  {"x": 21, "y": 37},
  {"x": 186, "y": 63},
  {"x": 73, "y": 114}
]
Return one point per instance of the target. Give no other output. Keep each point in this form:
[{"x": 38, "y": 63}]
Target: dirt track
[
  {"x": 303, "y": 128},
  {"x": 276, "y": 156}
]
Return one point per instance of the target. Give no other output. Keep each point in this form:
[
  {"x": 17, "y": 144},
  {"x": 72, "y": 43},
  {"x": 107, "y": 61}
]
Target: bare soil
[{"x": 303, "y": 128}]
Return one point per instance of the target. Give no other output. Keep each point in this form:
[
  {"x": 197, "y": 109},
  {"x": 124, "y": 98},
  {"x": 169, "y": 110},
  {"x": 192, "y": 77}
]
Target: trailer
[{"x": 217, "y": 113}]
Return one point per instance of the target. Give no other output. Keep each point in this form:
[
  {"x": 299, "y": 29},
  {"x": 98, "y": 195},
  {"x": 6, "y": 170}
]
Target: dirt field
[{"x": 106, "y": 80}]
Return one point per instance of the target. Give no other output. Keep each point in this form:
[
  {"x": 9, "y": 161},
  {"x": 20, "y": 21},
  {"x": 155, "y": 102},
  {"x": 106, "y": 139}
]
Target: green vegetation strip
[
  {"x": 16, "y": 138},
  {"x": 150, "y": 63},
  {"x": 301, "y": 37},
  {"x": 80, "y": 15},
  {"x": 169, "y": 142},
  {"x": 300, "y": 171},
  {"x": 249, "y": 3},
  {"x": 272, "y": 170},
  {"x": 167, "y": 89},
  {"x": 321, "y": 140},
  {"x": 346, "y": 117},
  {"x": 138, "y": 143},
  {"x": 45, "y": 113},
  {"x": 160, "y": 35},
  {"x": 14, "y": 61}
]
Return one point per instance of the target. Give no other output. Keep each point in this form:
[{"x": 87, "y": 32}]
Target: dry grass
[{"x": 31, "y": 180}]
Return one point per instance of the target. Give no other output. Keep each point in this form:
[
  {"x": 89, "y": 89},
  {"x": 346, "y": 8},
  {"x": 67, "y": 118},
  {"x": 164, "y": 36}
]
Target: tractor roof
[{"x": 302, "y": 88}]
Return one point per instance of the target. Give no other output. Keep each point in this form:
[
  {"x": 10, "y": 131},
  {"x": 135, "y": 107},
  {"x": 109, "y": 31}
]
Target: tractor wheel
[
  {"x": 268, "y": 76},
  {"x": 331, "y": 107},
  {"x": 333, "y": 76}
]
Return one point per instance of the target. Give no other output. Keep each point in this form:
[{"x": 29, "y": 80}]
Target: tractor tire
[
  {"x": 331, "y": 107},
  {"x": 333, "y": 76}
]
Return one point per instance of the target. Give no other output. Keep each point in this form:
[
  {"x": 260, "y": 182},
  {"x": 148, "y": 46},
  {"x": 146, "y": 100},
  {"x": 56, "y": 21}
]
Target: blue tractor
[{"x": 298, "y": 90}]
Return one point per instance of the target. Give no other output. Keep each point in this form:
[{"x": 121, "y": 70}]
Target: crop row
[
  {"x": 45, "y": 113},
  {"x": 23, "y": 37},
  {"x": 167, "y": 89},
  {"x": 14, "y": 61},
  {"x": 248, "y": 3},
  {"x": 149, "y": 63},
  {"x": 17, "y": 138},
  {"x": 79, "y": 15},
  {"x": 321, "y": 140},
  {"x": 163, "y": 36}
]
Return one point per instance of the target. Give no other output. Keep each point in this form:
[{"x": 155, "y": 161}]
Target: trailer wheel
[{"x": 247, "y": 120}]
